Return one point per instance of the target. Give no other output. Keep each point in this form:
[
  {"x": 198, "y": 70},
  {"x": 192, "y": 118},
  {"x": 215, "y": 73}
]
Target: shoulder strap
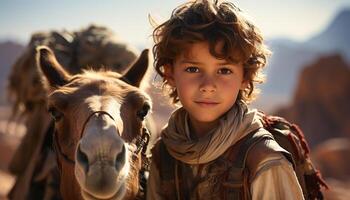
[
  {"x": 246, "y": 144},
  {"x": 245, "y": 156},
  {"x": 235, "y": 185}
]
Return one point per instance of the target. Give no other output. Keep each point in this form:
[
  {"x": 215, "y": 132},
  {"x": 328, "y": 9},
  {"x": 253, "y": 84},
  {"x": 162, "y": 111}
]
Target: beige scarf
[{"x": 234, "y": 125}]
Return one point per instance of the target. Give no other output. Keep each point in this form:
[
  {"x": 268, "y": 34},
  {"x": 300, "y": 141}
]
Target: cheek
[
  {"x": 183, "y": 84},
  {"x": 185, "y": 87},
  {"x": 230, "y": 87},
  {"x": 183, "y": 93}
]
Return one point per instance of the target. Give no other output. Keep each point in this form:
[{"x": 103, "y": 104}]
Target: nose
[
  {"x": 101, "y": 144},
  {"x": 208, "y": 84},
  {"x": 83, "y": 159}
]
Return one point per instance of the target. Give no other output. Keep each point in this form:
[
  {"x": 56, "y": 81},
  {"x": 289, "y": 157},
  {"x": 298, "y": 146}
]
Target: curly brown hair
[{"x": 213, "y": 22}]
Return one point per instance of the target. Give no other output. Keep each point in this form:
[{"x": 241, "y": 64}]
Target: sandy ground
[{"x": 339, "y": 190}]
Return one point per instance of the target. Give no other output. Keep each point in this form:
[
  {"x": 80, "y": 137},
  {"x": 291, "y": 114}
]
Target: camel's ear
[
  {"x": 138, "y": 70},
  {"x": 55, "y": 74}
]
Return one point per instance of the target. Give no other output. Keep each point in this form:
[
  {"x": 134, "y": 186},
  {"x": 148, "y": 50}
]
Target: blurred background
[{"x": 308, "y": 75}]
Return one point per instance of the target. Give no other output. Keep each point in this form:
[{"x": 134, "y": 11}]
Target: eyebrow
[{"x": 219, "y": 63}]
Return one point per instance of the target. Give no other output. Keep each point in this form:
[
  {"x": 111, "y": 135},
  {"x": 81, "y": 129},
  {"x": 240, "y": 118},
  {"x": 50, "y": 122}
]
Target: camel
[
  {"x": 100, "y": 132},
  {"x": 34, "y": 162}
]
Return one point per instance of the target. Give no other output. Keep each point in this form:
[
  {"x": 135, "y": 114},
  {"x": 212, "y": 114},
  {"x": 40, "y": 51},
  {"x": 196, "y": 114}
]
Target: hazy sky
[{"x": 294, "y": 19}]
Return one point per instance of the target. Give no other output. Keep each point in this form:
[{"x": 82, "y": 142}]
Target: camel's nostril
[
  {"x": 120, "y": 159},
  {"x": 82, "y": 159}
]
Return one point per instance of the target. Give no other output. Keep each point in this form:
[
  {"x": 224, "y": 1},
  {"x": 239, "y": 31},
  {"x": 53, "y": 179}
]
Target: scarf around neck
[{"x": 234, "y": 125}]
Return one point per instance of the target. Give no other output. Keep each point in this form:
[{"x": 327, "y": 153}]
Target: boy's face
[{"x": 207, "y": 87}]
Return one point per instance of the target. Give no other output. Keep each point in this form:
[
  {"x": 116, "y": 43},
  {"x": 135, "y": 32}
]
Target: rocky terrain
[{"x": 320, "y": 104}]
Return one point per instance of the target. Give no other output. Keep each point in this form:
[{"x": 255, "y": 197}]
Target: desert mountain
[
  {"x": 289, "y": 57},
  {"x": 320, "y": 104},
  {"x": 9, "y": 51}
]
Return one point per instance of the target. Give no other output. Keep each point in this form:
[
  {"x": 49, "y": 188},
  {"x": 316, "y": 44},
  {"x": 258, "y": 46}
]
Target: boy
[{"x": 210, "y": 57}]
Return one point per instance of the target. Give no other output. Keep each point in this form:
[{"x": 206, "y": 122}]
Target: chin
[{"x": 206, "y": 118}]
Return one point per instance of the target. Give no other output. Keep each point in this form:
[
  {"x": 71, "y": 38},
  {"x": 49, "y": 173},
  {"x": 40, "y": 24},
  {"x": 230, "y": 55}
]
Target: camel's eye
[
  {"x": 55, "y": 114},
  {"x": 144, "y": 111}
]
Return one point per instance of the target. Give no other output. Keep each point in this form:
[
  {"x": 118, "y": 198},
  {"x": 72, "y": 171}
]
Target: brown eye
[
  {"x": 55, "y": 114},
  {"x": 192, "y": 69},
  {"x": 144, "y": 111},
  {"x": 224, "y": 71}
]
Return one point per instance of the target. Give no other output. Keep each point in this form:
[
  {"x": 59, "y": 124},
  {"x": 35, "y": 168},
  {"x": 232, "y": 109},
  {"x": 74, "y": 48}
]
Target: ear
[
  {"x": 244, "y": 84},
  {"x": 138, "y": 70},
  {"x": 55, "y": 74},
  {"x": 169, "y": 75}
]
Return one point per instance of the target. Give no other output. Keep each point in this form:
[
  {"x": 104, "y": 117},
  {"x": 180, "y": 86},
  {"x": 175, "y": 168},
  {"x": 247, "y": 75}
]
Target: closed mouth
[{"x": 206, "y": 103}]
